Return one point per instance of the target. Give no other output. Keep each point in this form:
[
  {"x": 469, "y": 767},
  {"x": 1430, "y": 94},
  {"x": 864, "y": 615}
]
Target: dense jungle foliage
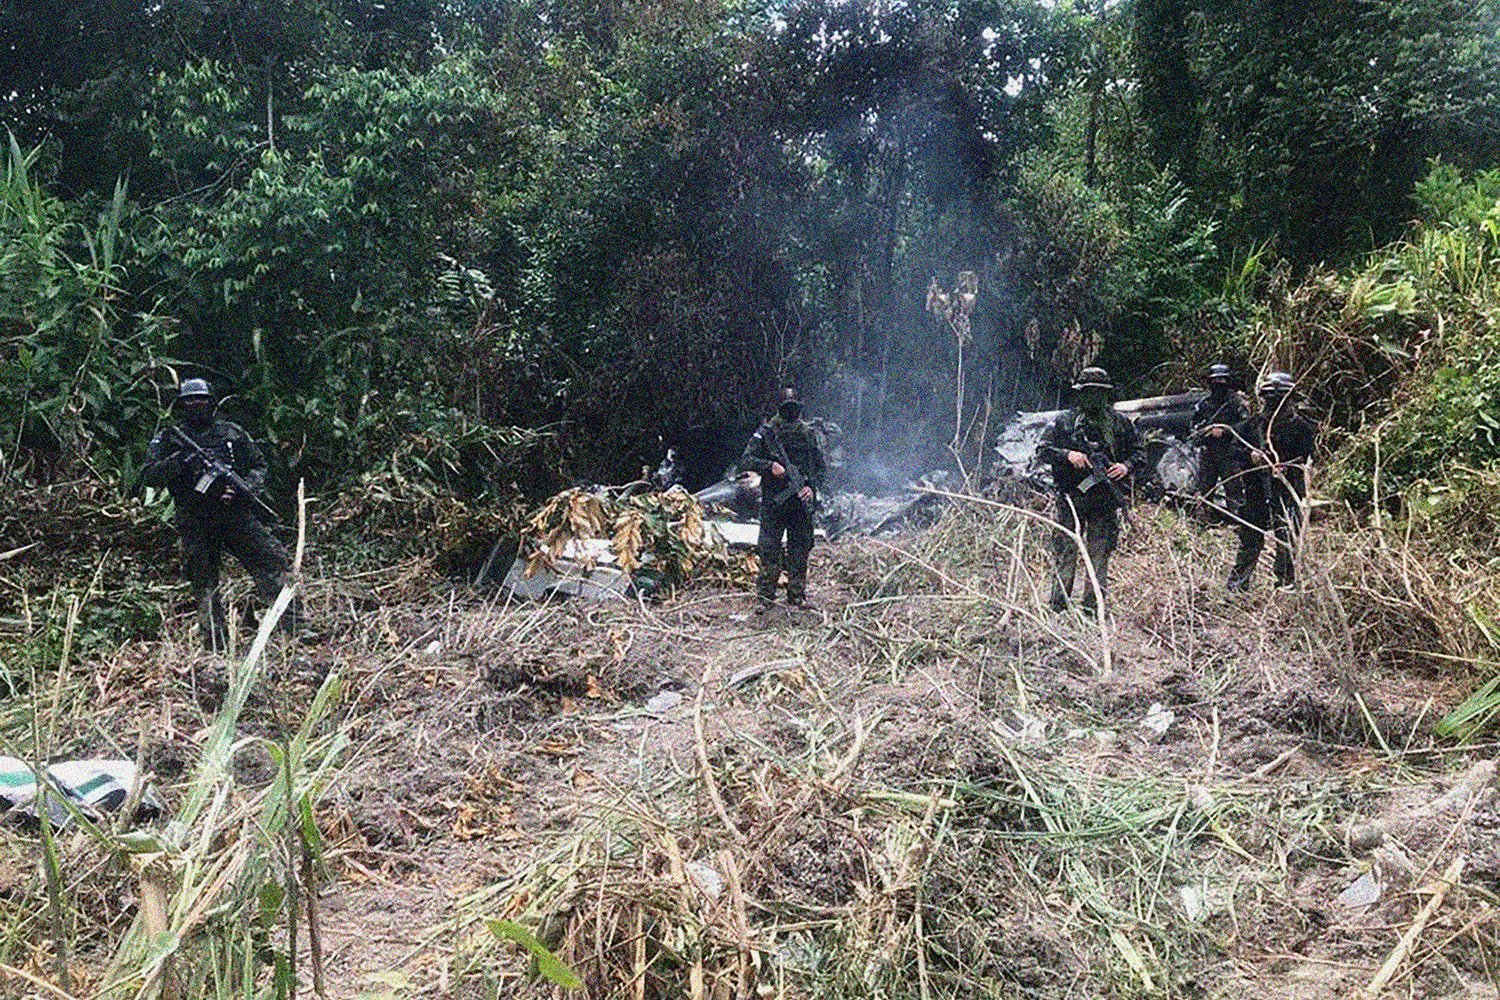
[{"x": 469, "y": 243}]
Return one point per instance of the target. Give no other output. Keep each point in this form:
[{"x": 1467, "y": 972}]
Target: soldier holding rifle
[
  {"x": 788, "y": 454},
  {"x": 1093, "y": 450},
  {"x": 1214, "y": 421},
  {"x": 1276, "y": 448},
  {"x": 214, "y": 472}
]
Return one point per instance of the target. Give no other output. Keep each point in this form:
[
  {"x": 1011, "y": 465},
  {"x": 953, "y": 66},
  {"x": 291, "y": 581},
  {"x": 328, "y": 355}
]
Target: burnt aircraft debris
[
  {"x": 737, "y": 502},
  {"x": 614, "y": 543},
  {"x": 1164, "y": 422}
]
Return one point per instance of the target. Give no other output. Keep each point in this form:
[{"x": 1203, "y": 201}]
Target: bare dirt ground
[{"x": 927, "y": 786}]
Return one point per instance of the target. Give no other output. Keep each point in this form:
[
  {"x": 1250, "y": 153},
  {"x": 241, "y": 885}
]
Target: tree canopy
[{"x": 624, "y": 220}]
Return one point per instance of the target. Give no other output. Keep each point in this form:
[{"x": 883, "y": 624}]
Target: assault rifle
[
  {"x": 795, "y": 480},
  {"x": 1201, "y": 433},
  {"x": 1098, "y": 476},
  {"x": 215, "y": 472}
]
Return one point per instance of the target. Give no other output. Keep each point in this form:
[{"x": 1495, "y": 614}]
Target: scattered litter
[
  {"x": 663, "y": 701},
  {"x": 93, "y": 786},
  {"x": 1158, "y": 720},
  {"x": 434, "y": 648},
  {"x": 1020, "y": 729},
  {"x": 1365, "y": 836},
  {"x": 755, "y": 670},
  {"x": 1362, "y": 892},
  {"x": 1193, "y": 903},
  {"x": 739, "y": 618},
  {"x": 1201, "y": 798},
  {"x": 706, "y": 878}
]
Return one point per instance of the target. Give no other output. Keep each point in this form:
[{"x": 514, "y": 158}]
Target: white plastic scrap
[
  {"x": 663, "y": 701},
  {"x": 1201, "y": 901},
  {"x": 1363, "y": 891},
  {"x": 17, "y": 783},
  {"x": 1158, "y": 720},
  {"x": 94, "y": 786},
  {"x": 1193, "y": 903},
  {"x": 1020, "y": 729},
  {"x": 707, "y": 878}
]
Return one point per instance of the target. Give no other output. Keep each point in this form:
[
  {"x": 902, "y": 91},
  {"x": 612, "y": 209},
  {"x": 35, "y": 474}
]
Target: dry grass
[
  {"x": 882, "y": 837},
  {"x": 931, "y": 788}
]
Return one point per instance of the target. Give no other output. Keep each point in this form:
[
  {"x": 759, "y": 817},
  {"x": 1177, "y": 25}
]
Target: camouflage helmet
[
  {"x": 1093, "y": 378},
  {"x": 1220, "y": 373},
  {"x": 194, "y": 388},
  {"x": 1277, "y": 384}
]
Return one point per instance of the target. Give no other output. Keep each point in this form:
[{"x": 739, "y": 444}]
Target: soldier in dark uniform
[
  {"x": 1092, "y": 449},
  {"x": 787, "y": 451},
  {"x": 213, "y": 515},
  {"x": 1214, "y": 420},
  {"x": 1275, "y": 446}
]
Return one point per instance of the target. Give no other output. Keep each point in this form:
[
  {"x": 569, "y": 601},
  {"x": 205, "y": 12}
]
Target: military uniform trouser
[
  {"x": 1271, "y": 508},
  {"x": 1214, "y": 468},
  {"x": 1098, "y": 521},
  {"x": 204, "y": 541},
  {"x": 793, "y": 521}
]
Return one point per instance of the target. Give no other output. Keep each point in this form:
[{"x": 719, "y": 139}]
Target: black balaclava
[
  {"x": 1094, "y": 404},
  {"x": 197, "y": 412},
  {"x": 790, "y": 411}
]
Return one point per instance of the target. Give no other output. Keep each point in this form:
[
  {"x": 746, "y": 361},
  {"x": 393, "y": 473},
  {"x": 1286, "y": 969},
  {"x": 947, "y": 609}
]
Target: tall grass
[
  {"x": 226, "y": 889},
  {"x": 76, "y": 375}
]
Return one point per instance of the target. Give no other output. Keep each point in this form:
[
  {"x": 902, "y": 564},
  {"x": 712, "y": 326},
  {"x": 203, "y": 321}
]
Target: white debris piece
[
  {"x": 1158, "y": 720},
  {"x": 1193, "y": 903},
  {"x": 735, "y": 534},
  {"x": 586, "y": 568},
  {"x": 664, "y": 701},
  {"x": 706, "y": 878},
  {"x": 434, "y": 649},
  {"x": 1362, "y": 892},
  {"x": 1020, "y": 729},
  {"x": 93, "y": 786}
]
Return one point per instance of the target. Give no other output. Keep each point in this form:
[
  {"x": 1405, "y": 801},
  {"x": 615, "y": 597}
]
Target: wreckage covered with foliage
[{"x": 594, "y": 541}]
